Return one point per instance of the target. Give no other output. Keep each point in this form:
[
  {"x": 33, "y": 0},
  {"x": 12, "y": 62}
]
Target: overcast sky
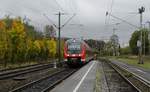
[{"x": 89, "y": 13}]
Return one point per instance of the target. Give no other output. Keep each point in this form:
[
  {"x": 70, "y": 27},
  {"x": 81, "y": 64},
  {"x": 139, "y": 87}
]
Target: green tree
[
  {"x": 135, "y": 37},
  {"x": 125, "y": 50},
  {"x": 49, "y": 31}
]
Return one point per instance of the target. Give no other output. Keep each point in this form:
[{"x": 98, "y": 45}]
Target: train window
[{"x": 74, "y": 48}]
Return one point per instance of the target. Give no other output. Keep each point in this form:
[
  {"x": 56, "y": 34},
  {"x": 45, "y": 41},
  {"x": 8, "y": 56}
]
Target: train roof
[{"x": 74, "y": 40}]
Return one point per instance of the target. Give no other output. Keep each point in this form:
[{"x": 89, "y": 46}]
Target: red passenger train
[{"x": 75, "y": 52}]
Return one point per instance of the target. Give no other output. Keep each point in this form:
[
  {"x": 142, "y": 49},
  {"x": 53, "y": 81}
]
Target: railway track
[
  {"x": 46, "y": 83},
  {"x": 115, "y": 82},
  {"x": 21, "y": 67},
  {"x": 14, "y": 82},
  {"x": 13, "y": 73},
  {"x": 135, "y": 80},
  {"x": 24, "y": 70}
]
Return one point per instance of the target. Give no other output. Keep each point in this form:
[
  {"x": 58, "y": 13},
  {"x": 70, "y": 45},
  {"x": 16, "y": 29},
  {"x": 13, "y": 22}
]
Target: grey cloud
[{"x": 90, "y": 13}]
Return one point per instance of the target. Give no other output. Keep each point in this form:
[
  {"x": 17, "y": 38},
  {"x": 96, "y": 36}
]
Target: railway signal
[
  {"x": 141, "y": 10},
  {"x": 149, "y": 40},
  {"x": 149, "y": 34}
]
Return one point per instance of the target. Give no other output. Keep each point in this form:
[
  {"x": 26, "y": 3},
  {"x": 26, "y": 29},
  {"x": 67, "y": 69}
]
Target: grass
[
  {"x": 133, "y": 60},
  {"x": 22, "y": 64},
  {"x": 97, "y": 87},
  {"x": 11, "y": 66}
]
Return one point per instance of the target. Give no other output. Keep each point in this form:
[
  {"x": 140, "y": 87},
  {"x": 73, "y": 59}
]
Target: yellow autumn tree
[
  {"x": 3, "y": 38},
  {"x": 18, "y": 41},
  {"x": 18, "y": 28},
  {"x": 42, "y": 46},
  {"x": 2, "y": 25},
  {"x": 5, "y": 46},
  {"x": 29, "y": 50},
  {"x": 51, "y": 48},
  {"x": 16, "y": 45},
  {"x": 37, "y": 47}
]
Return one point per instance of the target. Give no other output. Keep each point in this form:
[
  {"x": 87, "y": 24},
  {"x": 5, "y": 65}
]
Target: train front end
[{"x": 74, "y": 52}]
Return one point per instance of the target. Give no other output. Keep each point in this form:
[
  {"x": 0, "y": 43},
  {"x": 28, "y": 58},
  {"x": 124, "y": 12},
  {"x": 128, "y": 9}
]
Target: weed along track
[
  {"x": 114, "y": 81},
  {"x": 140, "y": 83}
]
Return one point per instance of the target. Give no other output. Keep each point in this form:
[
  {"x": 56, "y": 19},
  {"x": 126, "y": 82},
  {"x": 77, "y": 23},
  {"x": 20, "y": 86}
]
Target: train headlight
[
  {"x": 68, "y": 55},
  {"x": 80, "y": 55},
  {"x": 73, "y": 55}
]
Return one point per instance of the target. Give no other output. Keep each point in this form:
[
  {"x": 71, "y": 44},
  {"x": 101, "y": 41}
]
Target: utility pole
[
  {"x": 59, "y": 40},
  {"x": 143, "y": 34},
  {"x": 149, "y": 35},
  {"x": 114, "y": 31},
  {"x": 114, "y": 45},
  {"x": 141, "y": 10},
  {"x": 59, "y": 32},
  {"x": 59, "y": 43},
  {"x": 59, "y": 27},
  {"x": 149, "y": 40},
  {"x": 115, "y": 51},
  {"x": 144, "y": 40}
]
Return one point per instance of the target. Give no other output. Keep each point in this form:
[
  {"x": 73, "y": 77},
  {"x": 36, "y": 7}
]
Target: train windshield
[{"x": 74, "y": 48}]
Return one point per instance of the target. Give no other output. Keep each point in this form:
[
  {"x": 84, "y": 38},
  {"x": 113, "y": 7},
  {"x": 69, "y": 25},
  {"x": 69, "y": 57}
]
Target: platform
[{"x": 82, "y": 81}]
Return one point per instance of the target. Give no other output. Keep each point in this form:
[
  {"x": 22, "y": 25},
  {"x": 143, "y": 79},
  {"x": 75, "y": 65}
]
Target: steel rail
[
  {"x": 145, "y": 82},
  {"x": 54, "y": 83},
  {"x": 13, "y": 73}
]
